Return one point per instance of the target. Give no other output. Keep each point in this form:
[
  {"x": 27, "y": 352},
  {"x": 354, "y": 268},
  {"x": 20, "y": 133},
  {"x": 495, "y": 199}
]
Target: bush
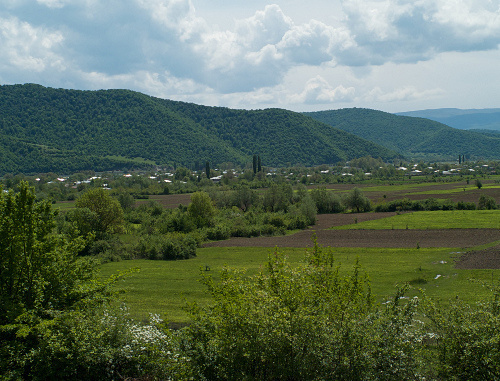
[
  {"x": 487, "y": 202},
  {"x": 463, "y": 205},
  {"x": 218, "y": 233},
  {"x": 167, "y": 247},
  {"x": 468, "y": 340},
  {"x": 103, "y": 345},
  {"x": 301, "y": 323},
  {"x": 326, "y": 201}
]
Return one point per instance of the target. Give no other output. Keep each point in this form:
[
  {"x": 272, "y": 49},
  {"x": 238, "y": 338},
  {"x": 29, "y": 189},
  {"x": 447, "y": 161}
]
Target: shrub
[
  {"x": 218, "y": 232},
  {"x": 166, "y": 247},
  {"x": 103, "y": 345},
  {"x": 301, "y": 323},
  {"x": 487, "y": 202},
  {"x": 463, "y": 205},
  {"x": 326, "y": 201},
  {"x": 468, "y": 342}
]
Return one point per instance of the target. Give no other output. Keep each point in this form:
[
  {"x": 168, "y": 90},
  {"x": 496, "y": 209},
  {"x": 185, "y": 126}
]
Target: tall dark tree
[
  {"x": 254, "y": 163},
  {"x": 207, "y": 169},
  {"x": 259, "y": 164}
]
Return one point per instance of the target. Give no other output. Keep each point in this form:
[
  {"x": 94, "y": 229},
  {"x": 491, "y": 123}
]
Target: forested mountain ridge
[
  {"x": 45, "y": 129},
  {"x": 414, "y": 137}
]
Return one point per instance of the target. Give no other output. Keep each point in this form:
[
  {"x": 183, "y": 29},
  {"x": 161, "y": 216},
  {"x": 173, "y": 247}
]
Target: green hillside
[
  {"x": 44, "y": 129},
  {"x": 417, "y": 138}
]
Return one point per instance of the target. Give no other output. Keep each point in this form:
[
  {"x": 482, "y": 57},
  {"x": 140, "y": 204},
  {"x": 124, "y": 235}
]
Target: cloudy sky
[{"x": 390, "y": 55}]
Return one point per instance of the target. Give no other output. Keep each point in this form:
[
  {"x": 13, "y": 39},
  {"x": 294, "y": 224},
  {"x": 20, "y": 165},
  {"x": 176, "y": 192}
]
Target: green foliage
[
  {"x": 103, "y": 213},
  {"x": 468, "y": 339},
  {"x": 410, "y": 136},
  {"x": 486, "y": 202},
  {"x": 429, "y": 204},
  {"x": 201, "y": 209},
  {"x": 300, "y": 323},
  {"x": 46, "y": 129},
  {"x": 38, "y": 271},
  {"x": 41, "y": 280},
  {"x": 278, "y": 197},
  {"x": 172, "y": 246},
  {"x": 327, "y": 201},
  {"x": 357, "y": 201}
]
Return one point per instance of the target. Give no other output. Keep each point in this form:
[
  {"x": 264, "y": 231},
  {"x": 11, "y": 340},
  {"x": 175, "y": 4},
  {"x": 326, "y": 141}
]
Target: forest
[
  {"x": 413, "y": 137},
  {"x": 56, "y": 130}
]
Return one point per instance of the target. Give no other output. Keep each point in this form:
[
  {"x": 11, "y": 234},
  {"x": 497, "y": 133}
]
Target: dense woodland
[
  {"x": 44, "y": 129},
  {"x": 413, "y": 137}
]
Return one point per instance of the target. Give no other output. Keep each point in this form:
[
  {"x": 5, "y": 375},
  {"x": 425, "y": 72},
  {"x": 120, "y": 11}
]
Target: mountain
[
  {"x": 477, "y": 119},
  {"x": 45, "y": 129},
  {"x": 416, "y": 138}
]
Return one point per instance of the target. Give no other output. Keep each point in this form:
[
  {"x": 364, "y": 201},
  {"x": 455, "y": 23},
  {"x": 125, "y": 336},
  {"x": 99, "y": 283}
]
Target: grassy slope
[{"x": 449, "y": 219}]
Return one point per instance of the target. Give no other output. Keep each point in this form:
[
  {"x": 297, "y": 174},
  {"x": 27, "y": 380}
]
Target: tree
[
  {"x": 259, "y": 164},
  {"x": 207, "y": 169},
  {"x": 38, "y": 270},
  {"x": 479, "y": 184},
  {"x": 107, "y": 211},
  {"x": 278, "y": 197},
  {"x": 54, "y": 322},
  {"x": 244, "y": 197},
  {"x": 254, "y": 164},
  {"x": 326, "y": 201},
  {"x": 486, "y": 202},
  {"x": 201, "y": 209},
  {"x": 357, "y": 201}
]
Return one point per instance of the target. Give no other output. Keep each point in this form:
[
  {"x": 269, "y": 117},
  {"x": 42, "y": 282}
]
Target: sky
[{"x": 308, "y": 55}]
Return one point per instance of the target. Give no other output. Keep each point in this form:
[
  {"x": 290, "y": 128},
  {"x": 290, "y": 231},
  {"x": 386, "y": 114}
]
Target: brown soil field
[
  {"x": 459, "y": 238},
  {"x": 481, "y": 259}
]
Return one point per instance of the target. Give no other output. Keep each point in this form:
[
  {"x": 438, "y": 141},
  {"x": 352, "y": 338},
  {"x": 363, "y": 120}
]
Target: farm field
[
  {"x": 438, "y": 252},
  {"x": 165, "y": 287}
]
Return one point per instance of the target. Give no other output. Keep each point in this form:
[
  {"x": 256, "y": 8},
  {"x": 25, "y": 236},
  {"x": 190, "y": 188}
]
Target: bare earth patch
[
  {"x": 481, "y": 259},
  {"x": 460, "y": 238}
]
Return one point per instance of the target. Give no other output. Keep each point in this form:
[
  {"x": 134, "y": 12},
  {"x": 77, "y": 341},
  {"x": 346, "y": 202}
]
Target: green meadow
[
  {"x": 164, "y": 287},
  {"x": 439, "y": 219}
]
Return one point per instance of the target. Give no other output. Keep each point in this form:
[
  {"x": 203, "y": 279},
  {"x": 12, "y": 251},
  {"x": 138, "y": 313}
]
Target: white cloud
[
  {"x": 375, "y": 51},
  {"x": 318, "y": 91},
  {"x": 178, "y": 15},
  {"x": 408, "y": 93},
  {"x": 52, "y": 3},
  {"x": 24, "y": 47},
  {"x": 408, "y": 31}
]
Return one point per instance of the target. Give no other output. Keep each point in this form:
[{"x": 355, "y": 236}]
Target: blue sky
[{"x": 390, "y": 55}]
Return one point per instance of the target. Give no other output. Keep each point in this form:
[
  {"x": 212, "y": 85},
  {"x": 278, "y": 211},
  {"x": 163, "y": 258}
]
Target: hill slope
[
  {"x": 44, "y": 129},
  {"x": 477, "y": 119},
  {"x": 414, "y": 137}
]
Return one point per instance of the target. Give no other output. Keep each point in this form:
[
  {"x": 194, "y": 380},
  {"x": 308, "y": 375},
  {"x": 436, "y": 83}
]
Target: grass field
[
  {"x": 165, "y": 287},
  {"x": 449, "y": 219}
]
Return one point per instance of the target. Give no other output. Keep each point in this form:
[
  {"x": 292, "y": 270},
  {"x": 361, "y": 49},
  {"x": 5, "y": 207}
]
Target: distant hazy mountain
[
  {"x": 477, "y": 119},
  {"x": 416, "y": 138}
]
